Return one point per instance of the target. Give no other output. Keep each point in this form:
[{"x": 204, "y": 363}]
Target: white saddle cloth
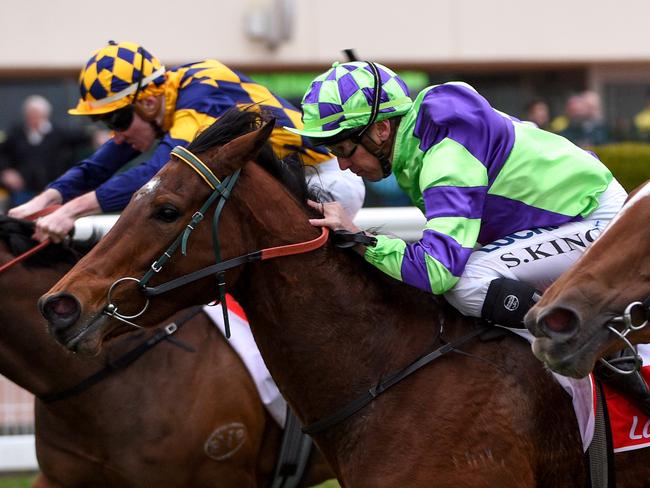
[{"x": 241, "y": 340}]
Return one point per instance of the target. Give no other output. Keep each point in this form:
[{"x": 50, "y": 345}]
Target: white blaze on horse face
[{"x": 149, "y": 187}]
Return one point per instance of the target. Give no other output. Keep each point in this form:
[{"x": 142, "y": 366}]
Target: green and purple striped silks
[
  {"x": 342, "y": 97},
  {"x": 479, "y": 175}
]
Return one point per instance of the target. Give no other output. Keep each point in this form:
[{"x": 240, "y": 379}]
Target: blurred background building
[
  {"x": 586, "y": 65},
  {"x": 580, "y": 68}
]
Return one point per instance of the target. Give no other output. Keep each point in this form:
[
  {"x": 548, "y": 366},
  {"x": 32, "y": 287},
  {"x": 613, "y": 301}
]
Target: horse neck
[
  {"x": 28, "y": 355},
  {"x": 329, "y": 326}
]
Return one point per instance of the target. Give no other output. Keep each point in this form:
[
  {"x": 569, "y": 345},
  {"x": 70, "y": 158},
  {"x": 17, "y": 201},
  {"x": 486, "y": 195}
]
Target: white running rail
[{"x": 16, "y": 406}]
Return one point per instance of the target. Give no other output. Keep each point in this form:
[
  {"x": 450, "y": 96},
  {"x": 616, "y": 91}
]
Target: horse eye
[{"x": 167, "y": 213}]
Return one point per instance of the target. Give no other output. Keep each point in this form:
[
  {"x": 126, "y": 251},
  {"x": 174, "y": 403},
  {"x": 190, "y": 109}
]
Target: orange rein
[
  {"x": 299, "y": 248},
  {"x": 36, "y": 248}
]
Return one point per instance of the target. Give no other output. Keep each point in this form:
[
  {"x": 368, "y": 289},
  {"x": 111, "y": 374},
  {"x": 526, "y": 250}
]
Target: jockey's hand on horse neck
[{"x": 336, "y": 218}]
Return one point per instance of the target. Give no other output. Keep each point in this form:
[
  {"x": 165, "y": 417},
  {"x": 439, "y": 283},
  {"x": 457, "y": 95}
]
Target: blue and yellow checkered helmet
[{"x": 112, "y": 75}]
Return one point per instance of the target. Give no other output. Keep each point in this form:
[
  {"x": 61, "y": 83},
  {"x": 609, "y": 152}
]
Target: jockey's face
[
  {"x": 361, "y": 162},
  {"x": 356, "y": 156},
  {"x": 140, "y": 135}
]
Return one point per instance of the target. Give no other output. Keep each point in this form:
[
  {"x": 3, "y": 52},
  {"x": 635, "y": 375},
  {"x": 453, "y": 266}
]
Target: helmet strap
[{"x": 383, "y": 150}]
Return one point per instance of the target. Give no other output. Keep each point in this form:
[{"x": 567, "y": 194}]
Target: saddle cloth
[
  {"x": 241, "y": 340},
  {"x": 630, "y": 427}
]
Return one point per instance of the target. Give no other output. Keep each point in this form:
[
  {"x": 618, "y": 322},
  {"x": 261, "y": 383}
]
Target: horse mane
[
  {"x": 290, "y": 171},
  {"x": 16, "y": 233}
]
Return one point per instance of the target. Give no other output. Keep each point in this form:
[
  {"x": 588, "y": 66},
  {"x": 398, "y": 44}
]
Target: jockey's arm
[
  {"x": 451, "y": 184},
  {"x": 59, "y": 223}
]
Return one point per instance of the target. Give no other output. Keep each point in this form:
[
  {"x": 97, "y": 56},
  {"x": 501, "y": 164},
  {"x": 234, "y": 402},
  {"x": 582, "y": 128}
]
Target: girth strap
[
  {"x": 294, "y": 454},
  {"x": 361, "y": 401},
  {"x": 600, "y": 453}
]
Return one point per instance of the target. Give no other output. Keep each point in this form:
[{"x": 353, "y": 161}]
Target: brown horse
[
  {"x": 330, "y": 327},
  {"x": 164, "y": 421},
  {"x": 573, "y": 317}
]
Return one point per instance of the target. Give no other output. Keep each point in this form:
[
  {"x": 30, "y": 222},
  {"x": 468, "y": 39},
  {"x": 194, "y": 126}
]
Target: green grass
[
  {"x": 17, "y": 481},
  {"x": 328, "y": 484}
]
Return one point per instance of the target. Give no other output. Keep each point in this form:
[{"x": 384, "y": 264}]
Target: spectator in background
[
  {"x": 35, "y": 151},
  {"x": 538, "y": 113},
  {"x": 594, "y": 130},
  {"x": 574, "y": 112},
  {"x": 582, "y": 122},
  {"x": 642, "y": 120}
]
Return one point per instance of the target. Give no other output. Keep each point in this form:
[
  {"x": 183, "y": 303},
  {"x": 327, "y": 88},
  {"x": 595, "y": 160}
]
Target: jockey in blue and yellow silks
[{"x": 128, "y": 89}]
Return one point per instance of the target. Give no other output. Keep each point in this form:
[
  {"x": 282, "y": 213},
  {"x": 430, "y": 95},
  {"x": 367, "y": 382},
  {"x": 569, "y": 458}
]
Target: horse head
[
  {"x": 159, "y": 237},
  {"x": 595, "y": 306}
]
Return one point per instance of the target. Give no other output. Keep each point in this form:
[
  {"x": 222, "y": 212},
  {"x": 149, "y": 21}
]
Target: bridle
[
  {"x": 41, "y": 245},
  {"x": 633, "y": 310},
  {"x": 220, "y": 194}
]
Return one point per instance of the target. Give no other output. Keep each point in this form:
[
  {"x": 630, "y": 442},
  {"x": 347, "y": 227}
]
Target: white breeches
[{"x": 537, "y": 256}]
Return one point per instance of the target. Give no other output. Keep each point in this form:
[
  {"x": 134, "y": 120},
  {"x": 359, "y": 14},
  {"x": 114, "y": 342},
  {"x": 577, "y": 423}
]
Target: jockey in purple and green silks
[
  {"x": 477, "y": 174},
  {"x": 509, "y": 206}
]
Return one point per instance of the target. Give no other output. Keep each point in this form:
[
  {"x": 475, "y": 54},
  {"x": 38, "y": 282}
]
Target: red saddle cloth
[{"x": 630, "y": 427}]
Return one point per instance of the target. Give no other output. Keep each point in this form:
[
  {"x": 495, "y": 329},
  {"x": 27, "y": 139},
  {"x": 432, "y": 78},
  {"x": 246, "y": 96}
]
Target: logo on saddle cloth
[{"x": 630, "y": 427}]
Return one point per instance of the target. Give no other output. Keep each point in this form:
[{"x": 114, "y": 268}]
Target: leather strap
[
  {"x": 269, "y": 253},
  {"x": 344, "y": 239},
  {"x": 38, "y": 247},
  {"x": 294, "y": 454},
  {"x": 123, "y": 361},
  {"x": 600, "y": 453},
  {"x": 361, "y": 401}
]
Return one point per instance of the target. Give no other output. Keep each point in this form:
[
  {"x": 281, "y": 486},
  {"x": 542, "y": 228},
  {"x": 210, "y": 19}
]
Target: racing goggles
[{"x": 118, "y": 120}]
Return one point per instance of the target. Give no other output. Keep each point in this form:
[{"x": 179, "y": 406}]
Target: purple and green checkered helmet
[{"x": 342, "y": 99}]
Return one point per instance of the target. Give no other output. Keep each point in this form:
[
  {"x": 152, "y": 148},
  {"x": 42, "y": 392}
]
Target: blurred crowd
[
  {"x": 582, "y": 121},
  {"x": 34, "y": 151}
]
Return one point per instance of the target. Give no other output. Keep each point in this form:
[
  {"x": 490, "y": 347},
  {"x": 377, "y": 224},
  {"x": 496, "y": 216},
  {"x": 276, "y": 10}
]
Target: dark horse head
[
  {"x": 159, "y": 212},
  {"x": 572, "y": 318}
]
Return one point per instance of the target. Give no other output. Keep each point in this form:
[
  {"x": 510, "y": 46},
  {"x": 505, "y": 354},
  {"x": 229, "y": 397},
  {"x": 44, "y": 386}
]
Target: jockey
[
  {"x": 509, "y": 206},
  {"x": 130, "y": 91}
]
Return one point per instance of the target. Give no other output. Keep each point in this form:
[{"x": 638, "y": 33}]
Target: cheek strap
[{"x": 377, "y": 150}]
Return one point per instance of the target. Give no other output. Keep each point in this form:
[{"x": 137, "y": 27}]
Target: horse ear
[{"x": 243, "y": 149}]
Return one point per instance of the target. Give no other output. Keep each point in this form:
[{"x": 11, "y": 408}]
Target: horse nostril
[
  {"x": 60, "y": 310},
  {"x": 560, "y": 321}
]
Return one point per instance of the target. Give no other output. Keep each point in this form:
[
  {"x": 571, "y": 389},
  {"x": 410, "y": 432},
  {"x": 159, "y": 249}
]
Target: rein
[
  {"x": 36, "y": 248},
  {"x": 632, "y": 312},
  {"x": 124, "y": 360},
  {"x": 222, "y": 191}
]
